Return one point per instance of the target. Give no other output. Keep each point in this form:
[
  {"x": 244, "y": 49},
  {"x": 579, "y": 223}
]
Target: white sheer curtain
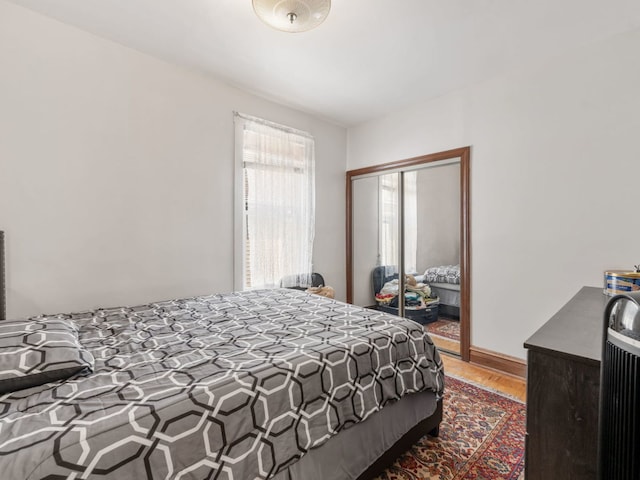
[
  {"x": 389, "y": 220},
  {"x": 278, "y": 184}
]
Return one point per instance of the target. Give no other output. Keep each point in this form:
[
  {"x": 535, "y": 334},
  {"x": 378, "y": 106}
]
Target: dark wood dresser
[{"x": 563, "y": 383}]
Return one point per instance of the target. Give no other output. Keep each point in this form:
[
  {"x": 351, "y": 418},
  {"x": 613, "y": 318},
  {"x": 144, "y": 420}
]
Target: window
[
  {"x": 388, "y": 218},
  {"x": 276, "y": 196}
]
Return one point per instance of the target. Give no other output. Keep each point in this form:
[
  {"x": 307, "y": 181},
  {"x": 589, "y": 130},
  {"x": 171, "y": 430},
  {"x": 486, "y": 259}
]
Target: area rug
[
  {"x": 445, "y": 327},
  {"x": 481, "y": 438}
]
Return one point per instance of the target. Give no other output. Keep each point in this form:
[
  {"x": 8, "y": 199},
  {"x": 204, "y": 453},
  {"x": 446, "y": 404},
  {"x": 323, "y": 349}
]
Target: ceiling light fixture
[{"x": 292, "y": 15}]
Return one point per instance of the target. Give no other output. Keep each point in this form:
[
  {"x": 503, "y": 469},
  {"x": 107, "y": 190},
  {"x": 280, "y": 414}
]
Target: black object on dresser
[
  {"x": 619, "y": 392},
  {"x": 563, "y": 385}
]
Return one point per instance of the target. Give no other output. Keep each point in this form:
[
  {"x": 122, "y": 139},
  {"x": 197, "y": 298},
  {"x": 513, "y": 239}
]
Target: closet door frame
[{"x": 464, "y": 154}]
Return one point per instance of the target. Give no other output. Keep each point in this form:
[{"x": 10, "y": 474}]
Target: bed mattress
[
  {"x": 447, "y": 293},
  {"x": 239, "y": 385},
  {"x": 374, "y": 437}
]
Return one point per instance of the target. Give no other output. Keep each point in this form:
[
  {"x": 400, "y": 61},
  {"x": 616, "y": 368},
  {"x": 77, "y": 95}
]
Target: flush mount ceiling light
[{"x": 292, "y": 15}]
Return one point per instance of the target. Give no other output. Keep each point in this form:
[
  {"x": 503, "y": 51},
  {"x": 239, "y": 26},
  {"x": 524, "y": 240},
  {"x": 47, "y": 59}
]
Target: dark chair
[
  {"x": 302, "y": 281},
  {"x": 381, "y": 275}
]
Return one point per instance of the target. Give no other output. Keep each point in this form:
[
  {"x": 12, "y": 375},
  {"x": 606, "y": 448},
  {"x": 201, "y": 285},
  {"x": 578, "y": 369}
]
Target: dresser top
[{"x": 576, "y": 330}]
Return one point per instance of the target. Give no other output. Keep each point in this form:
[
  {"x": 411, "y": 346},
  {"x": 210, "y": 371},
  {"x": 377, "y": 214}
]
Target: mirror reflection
[{"x": 418, "y": 209}]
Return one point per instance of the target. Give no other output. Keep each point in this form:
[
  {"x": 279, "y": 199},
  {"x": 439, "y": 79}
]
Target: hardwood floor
[
  {"x": 446, "y": 344},
  {"x": 442, "y": 333},
  {"x": 502, "y": 382}
]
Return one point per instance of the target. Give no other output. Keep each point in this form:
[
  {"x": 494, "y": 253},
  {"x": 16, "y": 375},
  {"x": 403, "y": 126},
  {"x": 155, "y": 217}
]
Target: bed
[
  {"x": 261, "y": 384},
  {"x": 444, "y": 281}
]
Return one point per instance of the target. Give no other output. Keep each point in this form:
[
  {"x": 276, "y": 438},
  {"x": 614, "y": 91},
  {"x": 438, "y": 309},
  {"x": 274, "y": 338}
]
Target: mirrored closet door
[{"x": 408, "y": 231}]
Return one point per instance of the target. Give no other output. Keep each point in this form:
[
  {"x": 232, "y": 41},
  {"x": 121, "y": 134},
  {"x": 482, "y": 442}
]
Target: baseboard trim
[{"x": 498, "y": 361}]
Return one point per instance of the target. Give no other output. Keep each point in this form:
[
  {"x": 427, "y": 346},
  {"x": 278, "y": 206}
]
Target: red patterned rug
[
  {"x": 481, "y": 438},
  {"x": 445, "y": 327}
]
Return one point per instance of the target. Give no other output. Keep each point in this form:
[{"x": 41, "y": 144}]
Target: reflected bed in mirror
[{"x": 408, "y": 231}]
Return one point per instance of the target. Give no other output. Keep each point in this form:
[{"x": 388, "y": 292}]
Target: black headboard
[{"x": 3, "y": 304}]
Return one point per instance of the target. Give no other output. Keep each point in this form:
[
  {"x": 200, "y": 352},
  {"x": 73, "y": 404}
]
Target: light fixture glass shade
[{"x": 292, "y": 15}]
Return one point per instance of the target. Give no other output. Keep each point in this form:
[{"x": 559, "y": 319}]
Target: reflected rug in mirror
[
  {"x": 445, "y": 327},
  {"x": 481, "y": 438}
]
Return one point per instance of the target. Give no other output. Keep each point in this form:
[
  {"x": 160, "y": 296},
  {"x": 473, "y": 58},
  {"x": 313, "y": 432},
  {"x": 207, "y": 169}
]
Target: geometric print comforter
[{"x": 231, "y": 386}]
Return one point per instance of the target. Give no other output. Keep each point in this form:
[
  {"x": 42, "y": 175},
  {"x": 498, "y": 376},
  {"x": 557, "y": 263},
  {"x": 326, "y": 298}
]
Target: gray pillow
[{"x": 35, "y": 352}]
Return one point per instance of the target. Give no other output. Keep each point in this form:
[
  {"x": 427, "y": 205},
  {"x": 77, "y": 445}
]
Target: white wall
[
  {"x": 554, "y": 179},
  {"x": 438, "y": 216},
  {"x": 116, "y": 172}
]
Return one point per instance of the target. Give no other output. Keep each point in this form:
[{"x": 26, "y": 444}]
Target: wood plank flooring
[
  {"x": 446, "y": 344},
  {"x": 492, "y": 379}
]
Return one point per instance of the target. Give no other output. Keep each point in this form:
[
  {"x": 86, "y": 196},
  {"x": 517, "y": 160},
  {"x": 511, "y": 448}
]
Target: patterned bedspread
[
  {"x": 443, "y": 274},
  {"x": 233, "y": 386}
]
